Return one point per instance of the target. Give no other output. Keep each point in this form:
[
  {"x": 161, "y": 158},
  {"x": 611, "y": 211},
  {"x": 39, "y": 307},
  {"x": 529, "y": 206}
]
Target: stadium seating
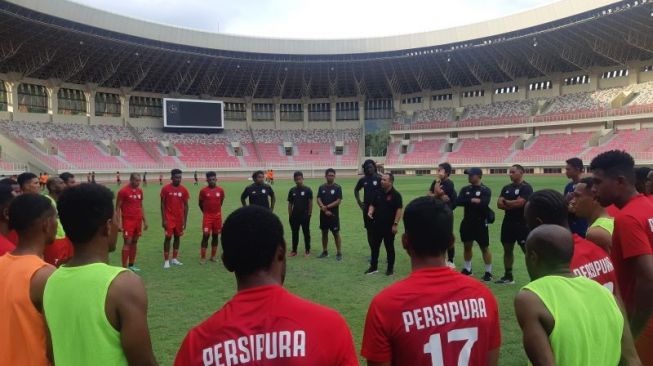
[
  {"x": 630, "y": 140},
  {"x": 553, "y": 147},
  {"x": 482, "y": 150},
  {"x": 423, "y": 152}
]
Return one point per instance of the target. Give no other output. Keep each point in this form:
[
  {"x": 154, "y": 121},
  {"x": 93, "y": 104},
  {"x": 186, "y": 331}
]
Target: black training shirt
[
  {"x": 299, "y": 198},
  {"x": 474, "y": 211},
  {"x": 370, "y": 186},
  {"x": 386, "y": 205},
  {"x": 258, "y": 194},
  {"x": 329, "y": 194},
  {"x": 449, "y": 190},
  {"x": 511, "y": 192}
]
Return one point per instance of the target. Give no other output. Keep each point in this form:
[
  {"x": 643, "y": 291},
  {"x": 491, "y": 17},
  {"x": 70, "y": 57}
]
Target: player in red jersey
[
  {"x": 632, "y": 242},
  {"x": 549, "y": 207},
  {"x": 436, "y": 316},
  {"x": 210, "y": 201},
  {"x": 264, "y": 324},
  {"x": 129, "y": 208},
  {"x": 174, "y": 212}
]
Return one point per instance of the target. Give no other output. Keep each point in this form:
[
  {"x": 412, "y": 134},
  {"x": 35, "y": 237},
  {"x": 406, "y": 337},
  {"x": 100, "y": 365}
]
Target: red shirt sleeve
[
  {"x": 632, "y": 237},
  {"x": 495, "y": 341},
  {"x": 163, "y": 191},
  {"x": 376, "y": 344},
  {"x": 184, "y": 354},
  {"x": 346, "y": 349},
  {"x": 202, "y": 195}
]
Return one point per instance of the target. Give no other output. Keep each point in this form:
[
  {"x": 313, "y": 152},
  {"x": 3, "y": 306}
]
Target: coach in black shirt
[
  {"x": 300, "y": 208},
  {"x": 384, "y": 212},
  {"x": 370, "y": 183},
  {"x": 444, "y": 189},
  {"x": 258, "y": 193},
  {"x": 475, "y": 198},
  {"x": 512, "y": 200},
  {"x": 329, "y": 196}
]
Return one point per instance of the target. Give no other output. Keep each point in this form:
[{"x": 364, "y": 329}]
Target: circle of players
[{"x": 589, "y": 254}]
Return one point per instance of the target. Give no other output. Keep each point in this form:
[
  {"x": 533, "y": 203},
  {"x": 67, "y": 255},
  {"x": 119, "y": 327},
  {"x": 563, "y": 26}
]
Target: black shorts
[
  {"x": 331, "y": 223},
  {"x": 514, "y": 231},
  {"x": 475, "y": 231}
]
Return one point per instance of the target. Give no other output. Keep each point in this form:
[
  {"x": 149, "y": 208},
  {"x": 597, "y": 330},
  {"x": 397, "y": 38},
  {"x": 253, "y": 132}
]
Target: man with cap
[
  {"x": 475, "y": 198},
  {"x": 370, "y": 183}
]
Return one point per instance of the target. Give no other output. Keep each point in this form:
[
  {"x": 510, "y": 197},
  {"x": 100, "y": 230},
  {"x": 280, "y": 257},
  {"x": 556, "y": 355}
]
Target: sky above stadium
[{"x": 315, "y": 19}]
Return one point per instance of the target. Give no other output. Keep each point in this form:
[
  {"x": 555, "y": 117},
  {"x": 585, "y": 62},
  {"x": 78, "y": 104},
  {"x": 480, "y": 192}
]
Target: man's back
[
  {"x": 22, "y": 327},
  {"x": 267, "y": 325},
  {"x": 435, "y": 316},
  {"x": 74, "y": 303},
  {"x": 593, "y": 262},
  {"x": 588, "y": 323}
]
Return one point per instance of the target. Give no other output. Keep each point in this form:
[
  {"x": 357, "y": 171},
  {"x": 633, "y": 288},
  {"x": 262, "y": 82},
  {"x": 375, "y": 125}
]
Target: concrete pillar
[
  {"x": 277, "y": 113},
  {"x": 396, "y": 102},
  {"x": 361, "y": 111},
  {"x": 633, "y": 75},
  {"x": 90, "y": 103},
  {"x": 124, "y": 107},
  {"x": 248, "y": 112},
  {"x": 305, "y": 110},
  {"x": 332, "y": 104},
  {"x": 12, "y": 96},
  {"x": 53, "y": 100}
]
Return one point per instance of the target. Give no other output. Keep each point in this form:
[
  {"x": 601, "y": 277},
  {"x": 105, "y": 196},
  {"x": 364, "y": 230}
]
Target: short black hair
[
  {"x": 6, "y": 194},
  {"x": 446, "y": 167},
  {"x": 256, "y": 174},
  {"x": 134, "y": 175},
  {"x": 66, "y": 176},
  {"x": 250, "y": 238},
  {"x": 175, "y": 172},
  {"x": 25, "y": 177},
  {"x": 8, "y": 181},
  {"x": 614, "y": 163},
  {"x": 392, "y": 176},
  {"x": 330, "y": 170},
  {"x": 50, "y": 183},
  {"x": 428, "y": 222},
  {"x": 641, "y": 174},
  {"x": 576, "y": 163},
  {"x": 83, "y": 209},
  {"x": 519, "y": 167},
  {"x": 26, "y": 209},
  {"x": 369, "y": 162},
  {"x": 549, "y": 206},
  {"x": 297, "y": 174},
  {"x": 210, "y": 174},
  {"x": 588, "y": 182}
]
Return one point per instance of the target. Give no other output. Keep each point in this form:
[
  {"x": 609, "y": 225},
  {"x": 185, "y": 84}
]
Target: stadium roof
[{"x": 63, "y": 40}]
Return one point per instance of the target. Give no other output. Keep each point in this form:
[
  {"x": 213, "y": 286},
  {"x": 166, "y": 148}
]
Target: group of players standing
[{"x": 88, "y": 312}]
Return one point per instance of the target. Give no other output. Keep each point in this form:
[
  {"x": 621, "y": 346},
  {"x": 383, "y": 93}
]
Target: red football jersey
[
  {"x": 5, "y": 245},
  {"x": 267, "y": 325},
  {"x": 436, "y": 316},
  {"x": 612, "y": 210},
  {"x": 593, "y": 262},
  {"x": 211, "y": 199},
  {"x": 12, "y": 236},
  {"x": 632, "y": 237},
  {"x": 131, "y": 202},
  {"x": 174, "y": 199}
]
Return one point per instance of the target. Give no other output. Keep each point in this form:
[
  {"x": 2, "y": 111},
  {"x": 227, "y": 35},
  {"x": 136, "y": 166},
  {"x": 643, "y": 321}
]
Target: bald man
[{"x": 567, "y": 320}]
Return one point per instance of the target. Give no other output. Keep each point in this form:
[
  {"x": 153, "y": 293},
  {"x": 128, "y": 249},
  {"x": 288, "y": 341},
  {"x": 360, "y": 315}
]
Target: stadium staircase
[
  {"x": 147, "y": 147},
  {"x": 254, "y": 143}
]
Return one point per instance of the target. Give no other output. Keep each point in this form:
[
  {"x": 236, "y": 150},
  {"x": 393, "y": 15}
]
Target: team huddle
[{"x": 588, "y": 252}]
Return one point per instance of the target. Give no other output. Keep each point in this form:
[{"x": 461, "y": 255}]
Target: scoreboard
[{"x": 192, "y": 115}]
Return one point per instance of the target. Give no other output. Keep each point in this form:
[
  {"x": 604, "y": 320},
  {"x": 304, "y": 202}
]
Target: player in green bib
[
  {"x": 96, "y": 313},
  {"x": 567, "y": 320}
]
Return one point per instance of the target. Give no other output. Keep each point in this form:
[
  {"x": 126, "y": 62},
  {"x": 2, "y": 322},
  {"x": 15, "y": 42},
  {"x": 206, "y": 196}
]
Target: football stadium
[{"x": 102, "y": 96}]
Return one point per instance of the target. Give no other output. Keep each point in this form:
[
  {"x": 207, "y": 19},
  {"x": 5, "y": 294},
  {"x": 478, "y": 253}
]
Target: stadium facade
[{"x": 81, "y": 89}]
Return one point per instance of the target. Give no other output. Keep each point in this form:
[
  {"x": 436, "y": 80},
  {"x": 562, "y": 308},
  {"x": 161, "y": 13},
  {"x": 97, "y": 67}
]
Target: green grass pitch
[{"x": 181, "y": 297}]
